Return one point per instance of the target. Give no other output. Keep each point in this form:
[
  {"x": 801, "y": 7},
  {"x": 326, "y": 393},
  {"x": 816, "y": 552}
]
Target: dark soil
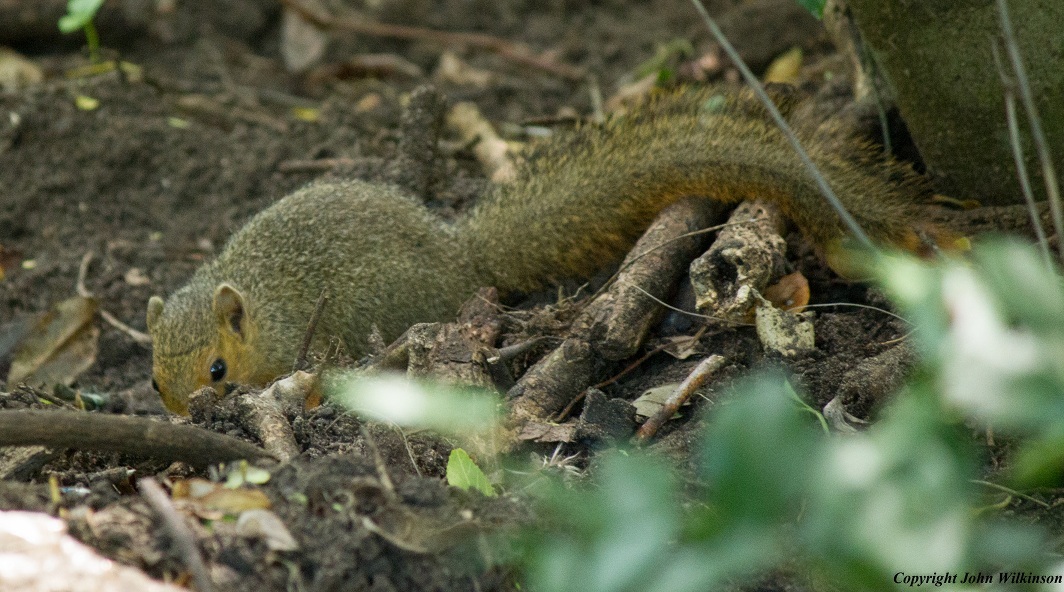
[{"x": 155, "y": 178}]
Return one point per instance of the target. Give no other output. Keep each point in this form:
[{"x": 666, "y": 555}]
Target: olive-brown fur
[{"x": 581, "y": 200}]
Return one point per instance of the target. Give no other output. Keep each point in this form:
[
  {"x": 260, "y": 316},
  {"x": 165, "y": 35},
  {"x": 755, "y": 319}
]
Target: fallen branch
[
  {"x": 501, "y": 47},
  {"x": 747, "y": 255},
  {"x": 136, "y": 436}
]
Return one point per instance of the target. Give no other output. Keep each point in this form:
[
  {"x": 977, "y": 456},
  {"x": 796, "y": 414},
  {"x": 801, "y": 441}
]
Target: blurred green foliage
[
  {"x": 79, "y": 16},
  {"x": 814, "y": 6},
  {"x": 855, "y": 510},
  {"x": 775, "y": 491},
  {"x": 463, "y": 473}
]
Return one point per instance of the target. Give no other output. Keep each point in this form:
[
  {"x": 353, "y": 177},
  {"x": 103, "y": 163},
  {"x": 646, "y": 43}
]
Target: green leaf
[
  {"x": 816, "y": 7},
  {"x": 440, "y": 407},
  {"x": 463, "y": 473},
  {"x": 1040, "y": 463},
  {"x": 79, "y": 13}
]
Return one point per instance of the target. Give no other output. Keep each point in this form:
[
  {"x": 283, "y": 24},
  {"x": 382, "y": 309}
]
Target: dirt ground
[{"x": 172, "y": 159}]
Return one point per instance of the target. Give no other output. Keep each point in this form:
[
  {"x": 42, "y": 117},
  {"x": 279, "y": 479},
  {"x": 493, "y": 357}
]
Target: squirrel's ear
[
  {"x": 229, "y": 308},
  {"x": 155, "y": 310}
]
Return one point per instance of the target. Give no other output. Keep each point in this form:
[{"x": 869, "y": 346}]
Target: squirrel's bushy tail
[{"x": 586, "y": 195}]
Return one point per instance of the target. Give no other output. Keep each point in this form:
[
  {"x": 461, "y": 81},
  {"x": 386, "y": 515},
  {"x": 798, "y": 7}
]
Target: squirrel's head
[{"x": 202, "y": 339}]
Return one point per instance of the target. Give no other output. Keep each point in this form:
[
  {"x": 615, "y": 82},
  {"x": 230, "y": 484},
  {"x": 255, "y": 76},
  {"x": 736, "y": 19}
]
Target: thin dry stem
[
  {"x": 755, "y": 84},
  {"x": 693, "y": 382},
  {"x": 1049, "y": 171},
  {"x": 183, "y": 539}
]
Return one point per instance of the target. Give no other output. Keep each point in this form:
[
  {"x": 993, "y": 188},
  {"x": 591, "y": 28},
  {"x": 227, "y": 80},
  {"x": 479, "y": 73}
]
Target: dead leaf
[
  {"x": 60, "y": 346},
  {"x": 302, "y": 43},
  {"x": 786, "y": 67},
  {"x": 368, "y": 103},
  {"x": 265, "y": 525},
  {"x": 86, "y": 103},
  {"x": 208, "y": 499},
  {"x": 652, "y": 400},
  {"x": 17, "y": 72},
  {"x": 681, "y": 347},
  {"x": 791, "y": 293},
  {"x": 419, "y": 531}
]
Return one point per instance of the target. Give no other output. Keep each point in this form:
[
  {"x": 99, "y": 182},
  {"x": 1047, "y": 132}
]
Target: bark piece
[
  {"x": 746, "y": 258},
  {"x": 615, "y": 324},
  {"x": 606, "y": 420},
  {"x": 264, "y": 413},
  {"x": 785, "y": 333},
  {"x": 457, "y": 353}
]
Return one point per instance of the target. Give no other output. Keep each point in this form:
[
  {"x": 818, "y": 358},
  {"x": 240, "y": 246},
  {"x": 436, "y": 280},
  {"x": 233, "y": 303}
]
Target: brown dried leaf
[
  {"x": 791, "y": 293},
  {"x": 265, "y": 525},
  {"x": 206, "y": 498},
  {"x": 60, "y": 346}
]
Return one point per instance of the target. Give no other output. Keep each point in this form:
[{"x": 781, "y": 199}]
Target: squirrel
[{"x": 580, "y": 200}]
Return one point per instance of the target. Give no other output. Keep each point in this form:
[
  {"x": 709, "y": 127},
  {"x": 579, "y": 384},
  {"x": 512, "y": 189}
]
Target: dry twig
[
  {"x": 491, "y": 151},
  {"x": 265, "y": 417},
  {"x": 1049, "y": 170},
  {"x": 694, "y": 380},
  {"x": 137, "y": 336},
  {"x": 314, "y": 165},
  {"x": 312, "y": 327},
  {"x": 183, "y": 539}
]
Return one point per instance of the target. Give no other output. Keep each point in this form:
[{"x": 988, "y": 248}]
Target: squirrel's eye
[
  {"x": 154, "y": 385},
  {"x": 218, "y": 370}
]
